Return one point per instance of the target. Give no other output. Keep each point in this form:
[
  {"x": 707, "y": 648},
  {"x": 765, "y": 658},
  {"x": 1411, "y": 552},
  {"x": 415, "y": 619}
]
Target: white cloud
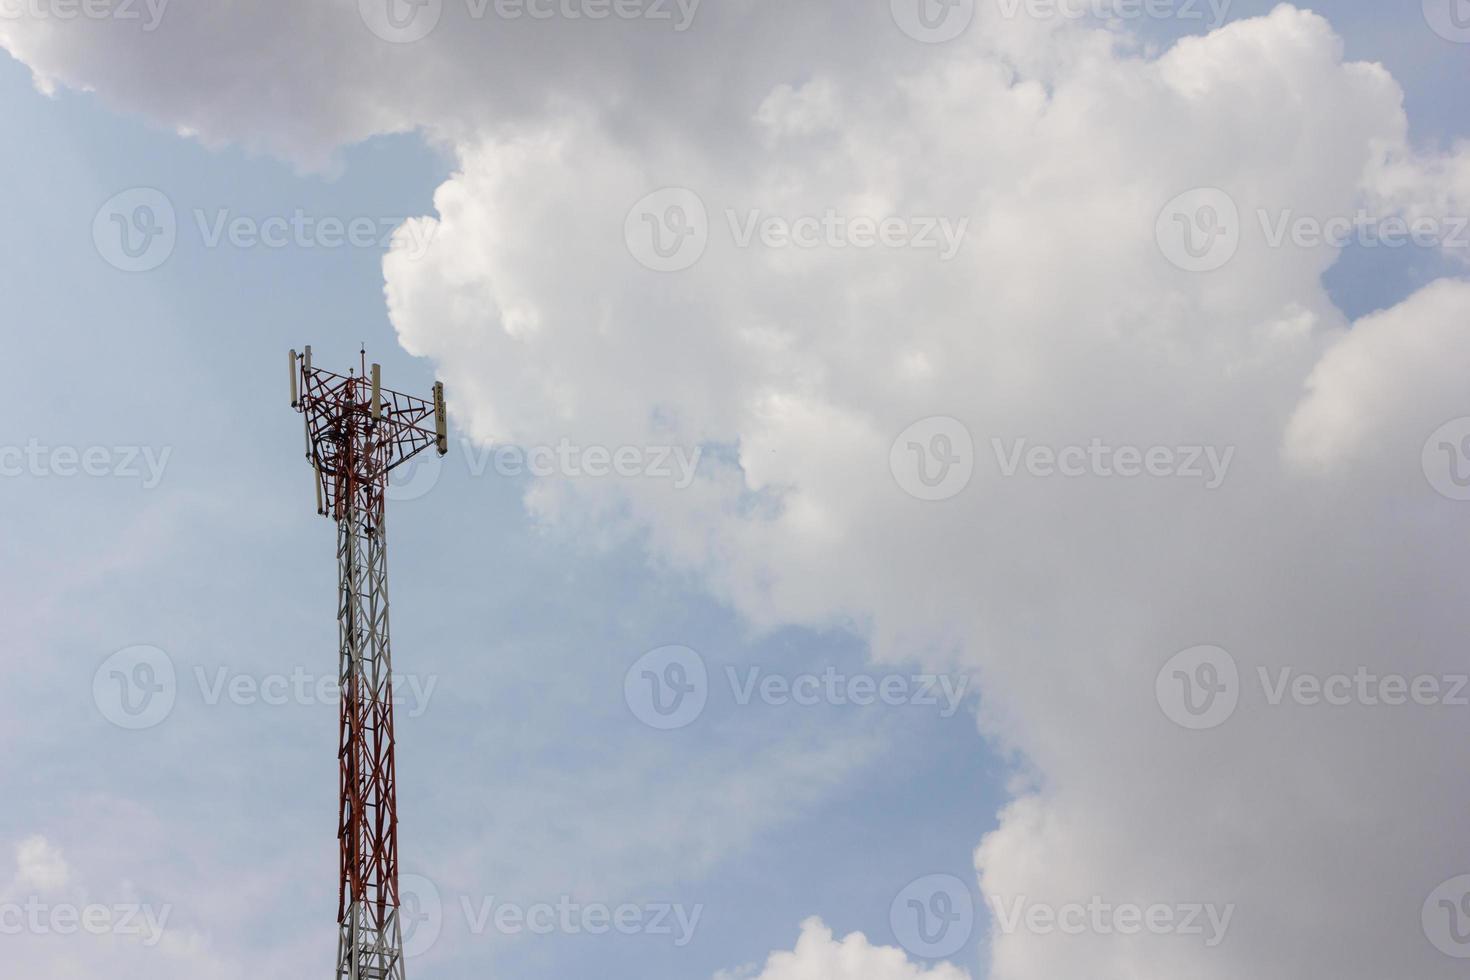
[
  {"x": 58, "y": 925},
  {"x": 1386, "y": 385},
  {"x": 818, "y": 956},
  {"x": 1060, "y": 321},
  {"x": 39, "y": 865}
]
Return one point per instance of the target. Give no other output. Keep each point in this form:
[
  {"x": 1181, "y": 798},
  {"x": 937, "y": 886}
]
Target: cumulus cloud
[
  {"x": 818, "y": 956},
  {"x": 39, "y": 865},
  {"x": 300, "y": 79},
  {"x": 57, "y": 924},
  {"x": 1060, "y": 323},
  {"x": 1385, "y": 385}
]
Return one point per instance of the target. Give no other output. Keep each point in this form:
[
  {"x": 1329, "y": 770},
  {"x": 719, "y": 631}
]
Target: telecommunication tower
[{"x": 357, "y": 432}]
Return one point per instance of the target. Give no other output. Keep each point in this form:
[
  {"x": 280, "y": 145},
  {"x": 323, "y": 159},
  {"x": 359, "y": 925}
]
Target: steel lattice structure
[{"x": 357, "y": 432}]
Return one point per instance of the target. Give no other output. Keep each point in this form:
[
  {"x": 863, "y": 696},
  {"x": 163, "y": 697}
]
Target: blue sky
[{"x": 525, "y": 775}]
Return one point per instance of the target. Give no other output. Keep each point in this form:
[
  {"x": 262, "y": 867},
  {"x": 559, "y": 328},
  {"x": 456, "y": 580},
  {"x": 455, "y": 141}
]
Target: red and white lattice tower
[{"x": 357, "y": 431}]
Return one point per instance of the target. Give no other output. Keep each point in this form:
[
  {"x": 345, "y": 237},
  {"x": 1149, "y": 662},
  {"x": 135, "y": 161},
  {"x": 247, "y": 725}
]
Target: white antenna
[
  {"x": 295, "y": 382},
  {"x": 441, "y": 420},
  {"x": 377, "y": 392}
]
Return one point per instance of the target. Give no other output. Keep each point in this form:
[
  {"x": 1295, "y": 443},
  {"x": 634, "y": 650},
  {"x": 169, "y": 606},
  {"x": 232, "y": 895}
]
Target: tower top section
[{"x": 357, "y": 432}]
